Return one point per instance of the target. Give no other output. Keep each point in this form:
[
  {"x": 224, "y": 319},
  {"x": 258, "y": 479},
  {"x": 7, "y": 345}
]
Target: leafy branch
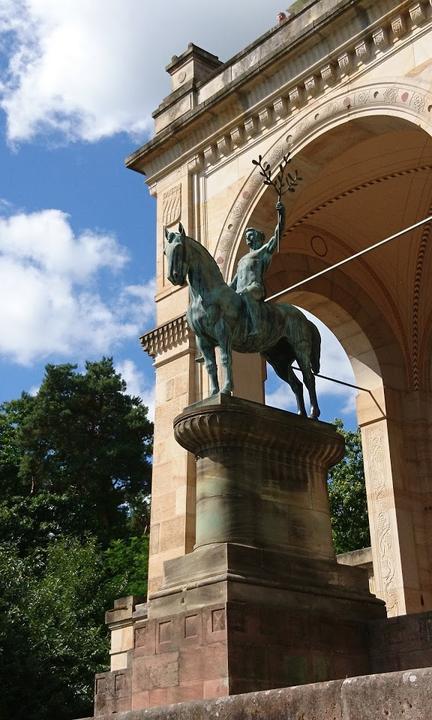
[{"x": 284, "y": 181}]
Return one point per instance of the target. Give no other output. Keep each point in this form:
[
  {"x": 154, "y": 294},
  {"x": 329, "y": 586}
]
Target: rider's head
[{"x": 254, "y": 238}]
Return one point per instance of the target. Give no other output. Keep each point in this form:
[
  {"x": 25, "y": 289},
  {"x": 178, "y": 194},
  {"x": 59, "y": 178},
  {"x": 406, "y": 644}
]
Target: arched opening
[{"x": 363, "y": 181}]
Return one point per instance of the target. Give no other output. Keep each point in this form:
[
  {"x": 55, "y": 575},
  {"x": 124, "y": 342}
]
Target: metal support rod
[
  {"x": 349, "y": 259},
  {"x": 347, "y": 384}
]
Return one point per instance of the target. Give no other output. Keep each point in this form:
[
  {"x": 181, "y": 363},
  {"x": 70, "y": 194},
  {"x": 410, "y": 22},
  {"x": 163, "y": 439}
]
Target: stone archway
[
  {"x": 364, "y": 180},
  {"x": 392, "y": 102}
]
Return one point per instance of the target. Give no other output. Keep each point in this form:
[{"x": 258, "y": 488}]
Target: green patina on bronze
[{"x": 235, "y": 317}]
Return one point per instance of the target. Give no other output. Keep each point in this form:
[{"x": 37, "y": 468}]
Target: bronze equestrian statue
[{"x": 235, "y": 317}]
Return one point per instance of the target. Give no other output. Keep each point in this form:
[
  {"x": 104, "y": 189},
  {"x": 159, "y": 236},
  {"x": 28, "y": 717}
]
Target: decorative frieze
[
  {"x": 334, "y": 69},
  {"x": 165, "y": 337}
]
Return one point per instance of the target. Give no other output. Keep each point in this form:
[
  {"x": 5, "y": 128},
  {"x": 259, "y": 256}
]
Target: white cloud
[
  {"x": 46, "y": 240},
  {"x": 334, "y": 364},
  {"x": 92, "y": 68},
  {"x": 51, "y": 302},
  {"x": 137, "y": 384}
]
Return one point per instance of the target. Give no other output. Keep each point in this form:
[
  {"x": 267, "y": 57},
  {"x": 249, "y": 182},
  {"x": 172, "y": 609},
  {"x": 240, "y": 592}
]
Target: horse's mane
[{"x": 206, "y": 255}]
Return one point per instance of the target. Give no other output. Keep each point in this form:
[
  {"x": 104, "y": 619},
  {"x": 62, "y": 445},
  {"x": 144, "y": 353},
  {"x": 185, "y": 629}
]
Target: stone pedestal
[{"x": 261, "y": 602}]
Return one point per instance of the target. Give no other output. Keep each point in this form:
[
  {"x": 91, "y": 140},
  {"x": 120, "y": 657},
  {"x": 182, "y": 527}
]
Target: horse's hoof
[
  {"x": 226, "y": 391},
  {"x": 314, "y": 414}
]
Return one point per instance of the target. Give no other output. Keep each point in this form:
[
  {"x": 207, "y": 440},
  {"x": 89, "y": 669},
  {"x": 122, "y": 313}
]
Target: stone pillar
[
  {"x": 172, "y": 523},
  {"x": 397, "y": 470}
]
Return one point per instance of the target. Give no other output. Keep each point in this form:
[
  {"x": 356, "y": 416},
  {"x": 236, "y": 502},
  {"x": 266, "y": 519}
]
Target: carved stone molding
[
  {"x": 328, "y": 74},
  {"x": 421, "y": 252},
  {"x": 376, "y": 462},
  {"x": 172, "y": 205},
  {"x": 358, "y": 52},
  {"x": 295, "y": 97},
  {"x": 362, "y": 51},
  {"x": 238, "y": 137},
  {"x": 417, "y": 13},
  {"x": 195, "y": 164},
  {"x": 224, "y": 145},
  {"x": 412, "y": 101},
  {"x": 380, "y": 38},
  {"x": 281, "y": 108},
  {"x": 344, "y": 63},
  {"x": 230, "y": 422},
  {"x": 398, "y": 27},
  {"x": 167, "y": 336},
  {"x": 251, "y": 127}
]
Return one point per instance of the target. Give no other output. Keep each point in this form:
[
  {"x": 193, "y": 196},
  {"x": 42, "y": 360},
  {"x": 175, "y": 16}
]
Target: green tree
[
  {"x": 52, "y": 638},
  {"x": 74, "y": 505},
  {"x": 347, "y": 495},
  {"x": 75, "y": 458}
]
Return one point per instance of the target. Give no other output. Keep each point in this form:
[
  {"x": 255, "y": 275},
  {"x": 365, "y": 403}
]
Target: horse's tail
[{"x": 315, "y": 350}]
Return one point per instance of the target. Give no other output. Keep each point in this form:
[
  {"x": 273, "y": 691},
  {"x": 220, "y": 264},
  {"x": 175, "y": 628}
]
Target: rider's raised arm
[{"x": 274, "y": 241}]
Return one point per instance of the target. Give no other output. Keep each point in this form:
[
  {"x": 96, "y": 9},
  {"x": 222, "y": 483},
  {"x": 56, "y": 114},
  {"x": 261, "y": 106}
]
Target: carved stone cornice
[
  {"x": 166, "y": 337},
  {"x": 227, "y": 422},
  {"x": 272, "y": 99}
]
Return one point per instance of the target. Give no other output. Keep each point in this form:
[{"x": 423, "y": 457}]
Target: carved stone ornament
[
  {"x": 398, "y": 27},
  {"x": 172, "y": 205},
  {"x": 379, "y": 38},
  {"x": 167, "y": 336},
  {"x": 417, "y": 13}
]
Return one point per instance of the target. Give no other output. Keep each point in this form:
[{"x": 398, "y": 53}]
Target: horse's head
[{"x": 175, "y": 251}]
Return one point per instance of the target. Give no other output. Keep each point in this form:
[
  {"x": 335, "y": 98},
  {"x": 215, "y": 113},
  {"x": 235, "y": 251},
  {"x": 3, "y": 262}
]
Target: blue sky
[{"x": 78, "y": 82}]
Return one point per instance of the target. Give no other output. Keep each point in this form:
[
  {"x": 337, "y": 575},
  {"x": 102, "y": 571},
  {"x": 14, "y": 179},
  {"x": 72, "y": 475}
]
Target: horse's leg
[
  {"x": 297, "y": 387},
  {"x": 208, "y": 352},
  {"x": 223, "y": 336},
  {"x": 304, "y": 361},
  {"x": 283, "y": 369}
]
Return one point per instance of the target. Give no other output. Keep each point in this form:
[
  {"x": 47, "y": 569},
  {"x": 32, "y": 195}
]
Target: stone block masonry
[{"x": 389, "y": 696}]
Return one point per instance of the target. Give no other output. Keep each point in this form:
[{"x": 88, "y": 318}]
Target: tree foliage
[
  {"x": 74, "y": 489},
  {"x": 347, "y": 494},
  {"x": 75, "y": 458}
]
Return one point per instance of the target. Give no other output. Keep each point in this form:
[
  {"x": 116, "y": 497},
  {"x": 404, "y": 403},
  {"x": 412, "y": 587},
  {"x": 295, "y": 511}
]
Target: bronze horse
[{"x": 217, "y": 316}]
